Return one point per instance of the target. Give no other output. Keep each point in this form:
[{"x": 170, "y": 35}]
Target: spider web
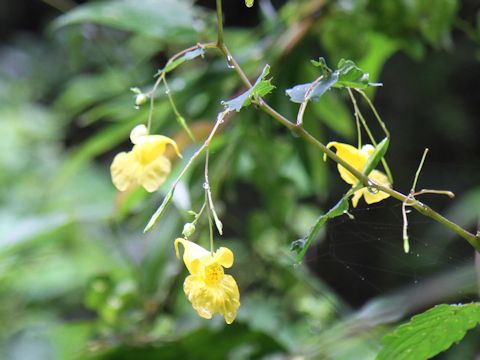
[{"x": 363, "y": 258}]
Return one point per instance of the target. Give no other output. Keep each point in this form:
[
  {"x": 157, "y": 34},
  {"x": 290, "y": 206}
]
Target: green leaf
[
  {"x": 165, "y": 19},
  {"x": 301, "y": 246},
  {"x": 378, "y": 154},
  {"x": 350, "y": 75},
  {"x": 84, "y": 91},
  {"x": 160, "y": 211},
  {"x": 322, "y": 64},
  {"x": 298, "y": 93},
  {"x": 261, "y": 88},
  {"x": 347, "y": 75},
  {"x": 430, "y": 333},
  {"x": 187, "y": 56}
]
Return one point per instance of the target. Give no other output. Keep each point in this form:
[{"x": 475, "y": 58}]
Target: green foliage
[
  {"x": 173, "y": 19},
  {"x": 80, "y": 280},
  {"x": 347, "y": 75},
  {"x": 261, "y": 88},
  {"x": 430, "y": 333},
  {"x": 157, "y": 215},
  {"x": 190, "y": 55}
]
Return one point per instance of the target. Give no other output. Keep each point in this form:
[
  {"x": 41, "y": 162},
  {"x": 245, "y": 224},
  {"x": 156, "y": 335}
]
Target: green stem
[
  {"x": 375, "y": 112},
  {"x": 304, "y": 104},
  {"x": 358, "y": 115},
  {"x": 474, "y": 240},
  {"x": 199, "y": 214},
  {"x": 161, "y": 74},
  {"x": 210, "y": 229},
  {"x": 208, "y": 202},
  {"x": 417, "y": 174},
  {"x": 220, "y": 23},
  {"x": 179, "y": 116},
  {"x": 300, "y": 131}
]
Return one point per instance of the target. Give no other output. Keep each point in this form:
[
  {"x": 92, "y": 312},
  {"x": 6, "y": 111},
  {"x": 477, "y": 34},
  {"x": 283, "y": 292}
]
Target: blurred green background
[{"x": 79, "y": 279}]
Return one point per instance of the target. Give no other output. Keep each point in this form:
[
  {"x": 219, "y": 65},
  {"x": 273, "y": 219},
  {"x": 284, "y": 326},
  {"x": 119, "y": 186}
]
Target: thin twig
[
  {"x": 162, "y": 74},
  {"x": 206, "y": 186},
  {"x": 308, "y": 95},
  {"x": 448, "y": 193},
  {"x": 219, "y": 23},
  {"x": 406, "y": 243},
  {"x": 419, "y": 169},
  {"x": 300, "y": 131},
  {"x": 179, "y": 116},
  {"x": 197, "y": 153},
  {"x": 375, "y": 112},
  {"x": 358, "y": 115}
]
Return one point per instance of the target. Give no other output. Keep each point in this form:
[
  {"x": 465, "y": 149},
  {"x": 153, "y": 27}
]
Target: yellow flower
[
  {"x": 357, "y": 158},
  {"x": 146, "y": 164},
  {"x": 207, "y": 287}
]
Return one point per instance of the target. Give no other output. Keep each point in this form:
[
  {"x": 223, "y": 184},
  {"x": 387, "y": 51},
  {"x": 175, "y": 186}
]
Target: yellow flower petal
[
  {"x": 356, "y": 196},
  {"x": 154, "y": 174},
  {"x": 374, "y": 197},
  {"x": 208, "y": 288},
  {"x": 224, "y": 257},
  {"x": 145, "y": 165},
  {"x": 353, "y": 156},
  {"x": 358, "y": 158},
  {"x": 148, "y": 148},
  {"x": 123, "y": 171},
  {"x": 137, "y": 133},
  {"x": 223, "y": 298},
  {"x": 191, "y": 255}
]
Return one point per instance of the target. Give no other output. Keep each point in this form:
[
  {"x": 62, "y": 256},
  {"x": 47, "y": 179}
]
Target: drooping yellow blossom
[
  {"x": 357, "y": 158},
  {"x": 207, "y": 287},
  {"x": 146, "y": 164}
]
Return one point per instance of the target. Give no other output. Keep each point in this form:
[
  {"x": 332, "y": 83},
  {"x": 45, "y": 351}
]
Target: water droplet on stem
[{"x": 230, "y": 63}]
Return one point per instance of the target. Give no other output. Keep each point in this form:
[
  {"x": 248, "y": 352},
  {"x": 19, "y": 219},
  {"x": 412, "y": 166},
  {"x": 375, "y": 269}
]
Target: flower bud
[
  {"x": 188, "y": 230},
  {"x": 141, "y": 99}
]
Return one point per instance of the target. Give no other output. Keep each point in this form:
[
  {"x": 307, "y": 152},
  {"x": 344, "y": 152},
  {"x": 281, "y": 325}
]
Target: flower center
[
  {"x": 147, "y": 152},
  {"x": 213, "y": 273}
]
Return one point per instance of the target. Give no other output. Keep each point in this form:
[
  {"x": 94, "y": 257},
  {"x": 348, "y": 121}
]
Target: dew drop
[
  {"x": 136, "y": 107},
  {"x": 372, "y": 190},
  {"x": 230, "y": 63},
  {"x": 206, "y": 186},
  {"x": 167, "y": 91}
]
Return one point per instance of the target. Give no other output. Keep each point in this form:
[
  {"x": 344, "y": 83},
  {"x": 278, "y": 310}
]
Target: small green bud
[
  {"x": 249, "y": 3},
  {"x": 141, "y": 99},
  {"x": 188, "y": 230}
]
